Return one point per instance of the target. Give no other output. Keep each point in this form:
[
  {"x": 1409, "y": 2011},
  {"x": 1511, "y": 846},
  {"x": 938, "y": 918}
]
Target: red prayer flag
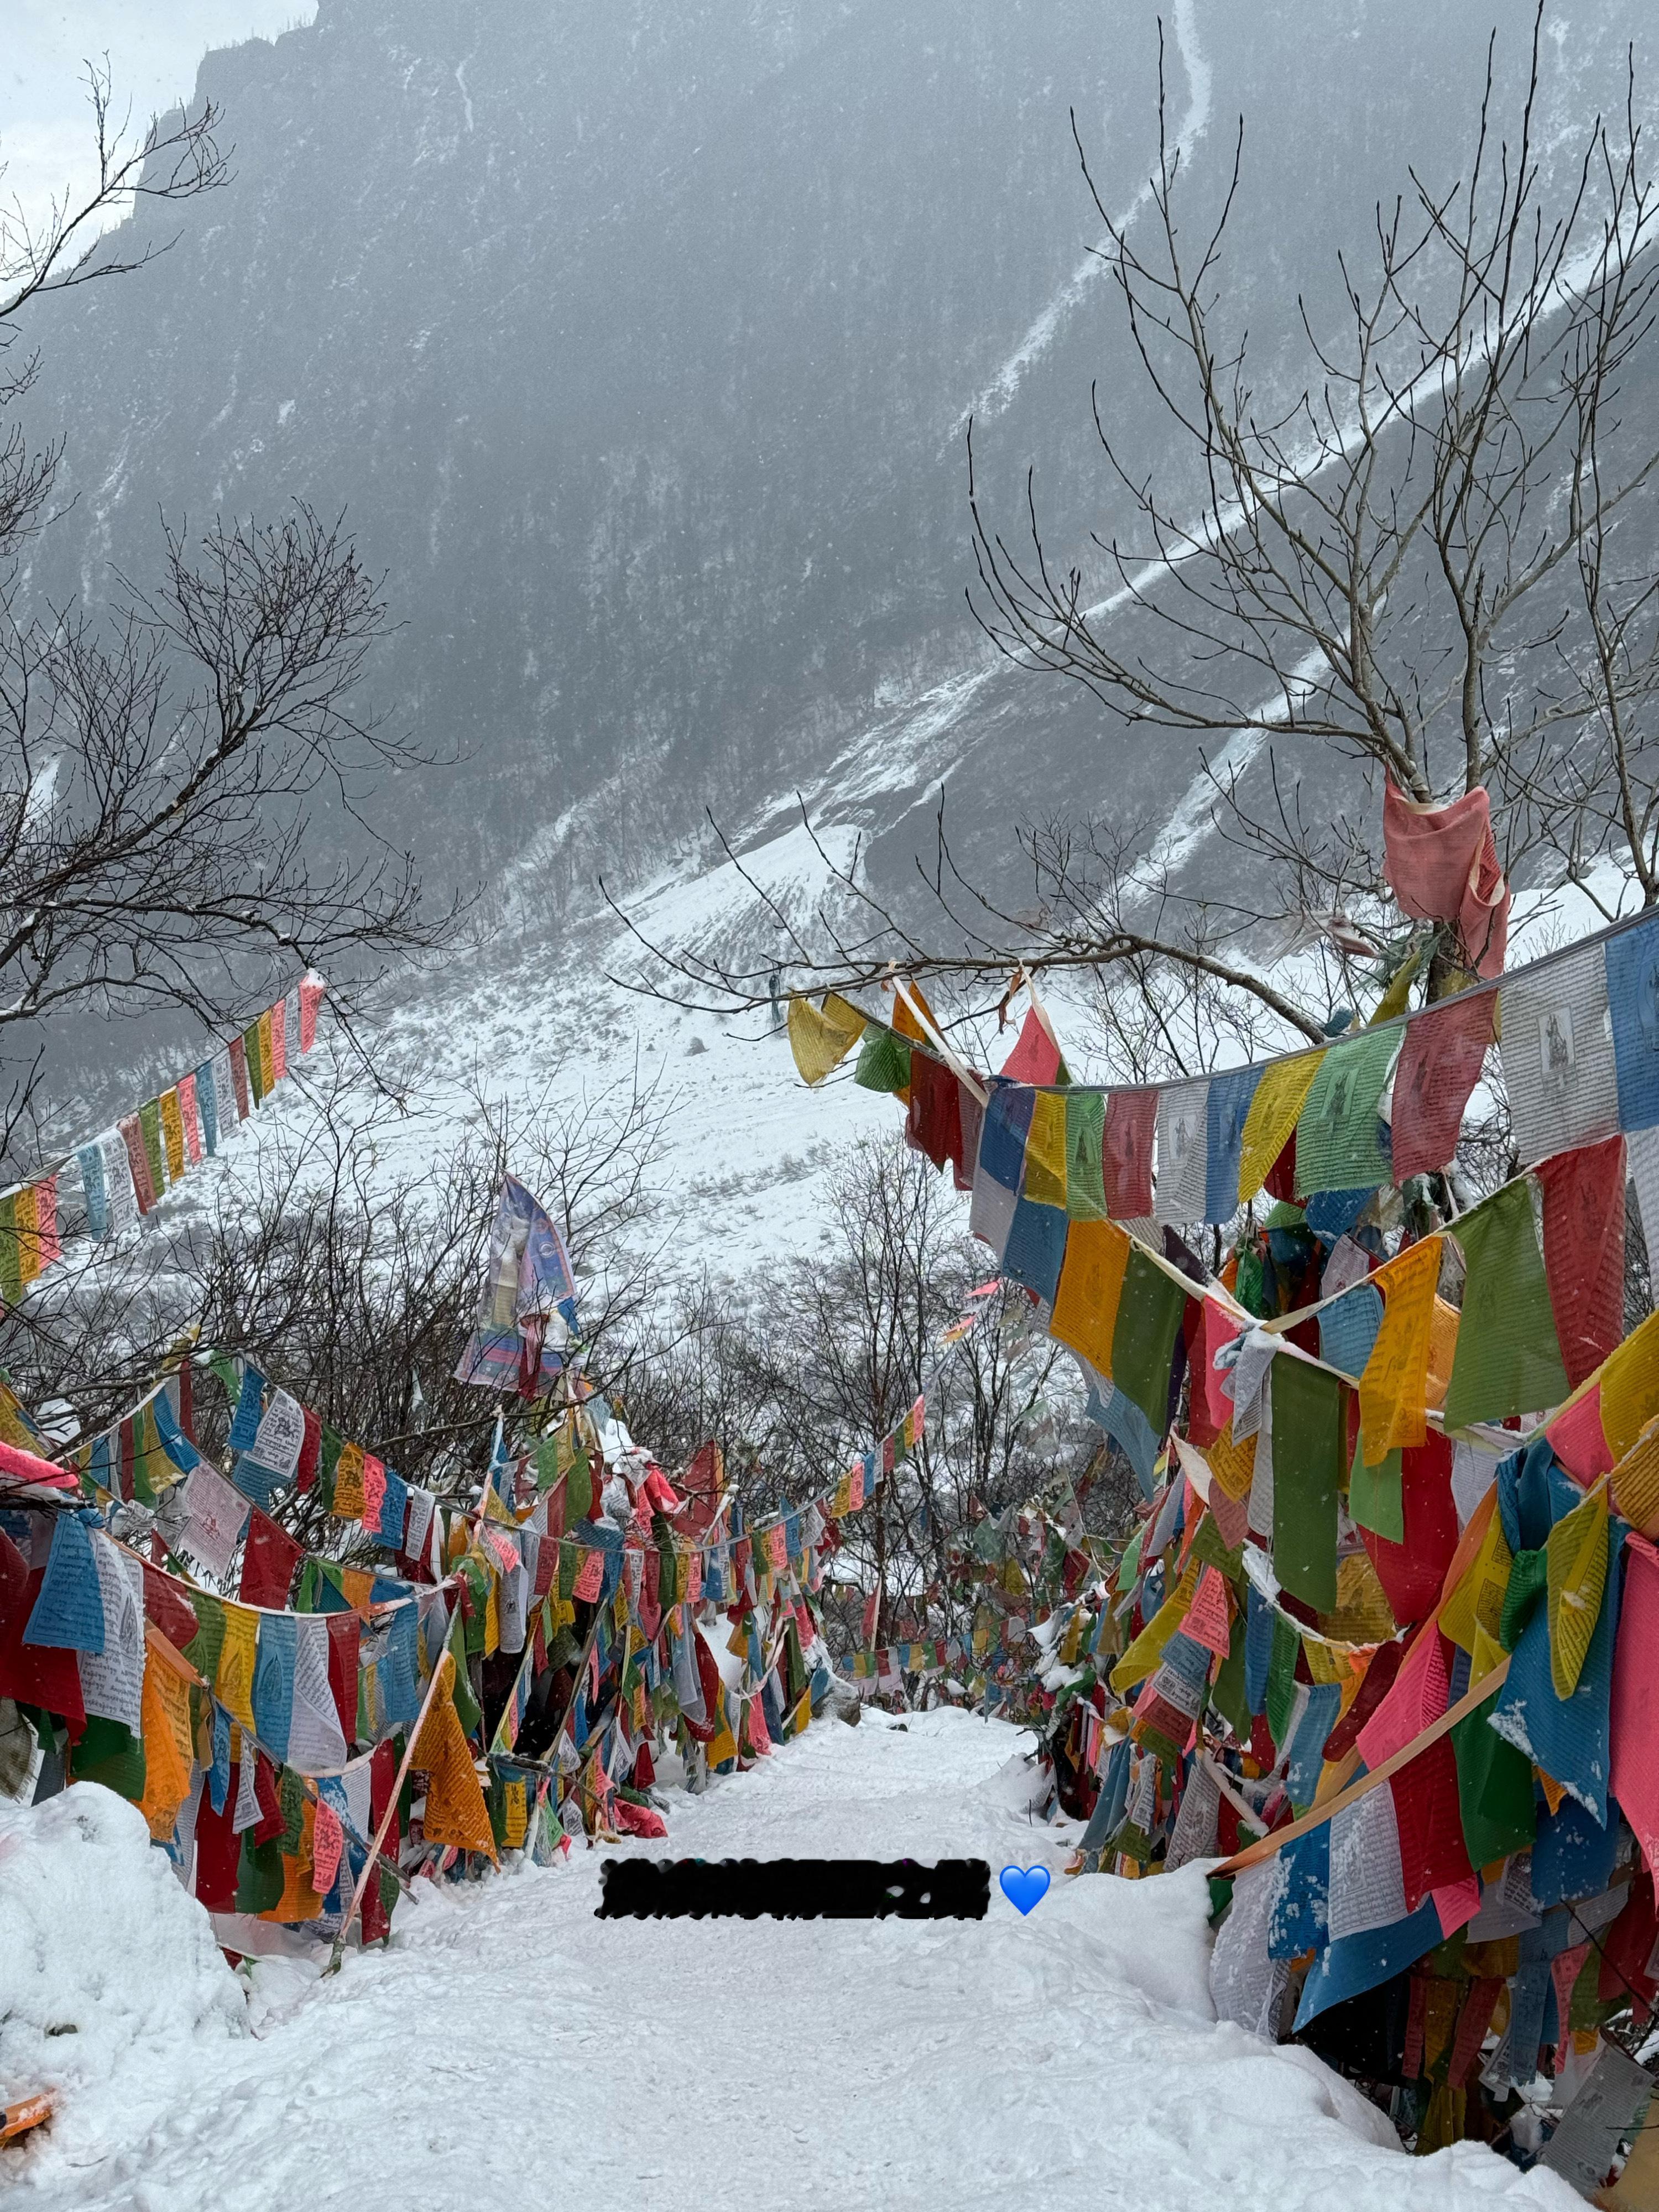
[
  {"x": 1443, "y": 863},
  {"x": 1035, "y": 1058},
  {"x": 269, "y": 1556},
  {"x": 1127, "y": 1154},
  {"x": 344, "y": 1635},
  {"x": 1439, "y": 1064},
  {"x": 1410, "y": 1573},
  {"x": 1585, "y": 1251}
]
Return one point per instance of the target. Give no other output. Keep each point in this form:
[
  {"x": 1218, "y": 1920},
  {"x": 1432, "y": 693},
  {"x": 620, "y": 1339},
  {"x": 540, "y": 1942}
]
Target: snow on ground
[{"x": 512, "y": 2050}]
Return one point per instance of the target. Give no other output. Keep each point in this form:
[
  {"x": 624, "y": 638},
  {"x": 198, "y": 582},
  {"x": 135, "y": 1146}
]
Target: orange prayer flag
[{"x": 455, "y": 1808}]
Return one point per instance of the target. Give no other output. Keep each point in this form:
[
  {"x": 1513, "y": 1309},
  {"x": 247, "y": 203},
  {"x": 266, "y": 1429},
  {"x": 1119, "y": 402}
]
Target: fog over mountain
[{"x": 640, "y": 343}]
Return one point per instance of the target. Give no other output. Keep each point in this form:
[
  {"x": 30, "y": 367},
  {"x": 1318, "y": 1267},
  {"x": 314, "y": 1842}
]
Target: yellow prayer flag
[
  {"x": 821, "y": 1037},
  {"x": 233, "y": 1683},
  {"x": 493, "y": 1618},
  {"x": 1477, "y": 1603},
  {"x": 267, "y": 1055},
  {"x": 1576, "y": 1554},
  {"x": 1636, "y": 1482},
  {"x": 1090, "y": 1287},
  {"x": 1045, "y": 1151},
  {"x": 1232, "y": 1464},
  {"x": 723, "y": 1744},
  {"x": 172, "y": 1134},
  {"x": 1274, "y": 1111},
  {"x": 349, "y": 1499},
  {"x": 517, "y": 1818},
  {"x": 1442, "y": 1350},
  {"x": 1392, "y": 1390},
  {"x": 1630, "y": 1387},
  {"x": 1324, "y": 1665}
]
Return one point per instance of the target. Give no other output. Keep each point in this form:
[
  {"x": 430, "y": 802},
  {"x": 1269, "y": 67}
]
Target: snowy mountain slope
[{"x": 513, "y": 2047}]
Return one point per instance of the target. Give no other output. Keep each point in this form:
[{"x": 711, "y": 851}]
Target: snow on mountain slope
[{"x": 513, "y": 2049}]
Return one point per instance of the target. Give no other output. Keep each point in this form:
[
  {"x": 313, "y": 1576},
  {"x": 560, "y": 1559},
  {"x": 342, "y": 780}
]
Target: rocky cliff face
[{"x": 639, "y": 343}]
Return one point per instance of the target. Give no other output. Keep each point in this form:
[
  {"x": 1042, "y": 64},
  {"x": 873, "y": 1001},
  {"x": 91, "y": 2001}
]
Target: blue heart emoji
[{"x": 1024, "y": 1887}]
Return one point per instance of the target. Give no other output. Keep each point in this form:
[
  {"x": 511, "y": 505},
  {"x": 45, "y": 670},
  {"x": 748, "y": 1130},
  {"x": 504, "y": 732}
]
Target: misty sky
[{"x": 154, "y": 46}]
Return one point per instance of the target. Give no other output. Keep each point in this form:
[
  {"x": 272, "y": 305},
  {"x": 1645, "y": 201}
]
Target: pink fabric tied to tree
[{"x": 1443, "y": 863}]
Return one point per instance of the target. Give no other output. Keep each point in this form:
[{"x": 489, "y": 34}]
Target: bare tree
[
  {"x": 1434, "y": 561},
  {"x": 161, "y": 764}
]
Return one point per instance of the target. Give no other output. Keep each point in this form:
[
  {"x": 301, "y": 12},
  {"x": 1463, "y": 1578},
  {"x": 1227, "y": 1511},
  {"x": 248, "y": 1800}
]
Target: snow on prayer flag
[{"x": 1367, "y": 1886}]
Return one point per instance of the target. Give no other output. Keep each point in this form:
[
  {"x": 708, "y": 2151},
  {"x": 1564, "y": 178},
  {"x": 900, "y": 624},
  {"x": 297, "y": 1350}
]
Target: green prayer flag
[
  {"x": 255, "y": 1065},
  {"x": 109, "y": 1753},
  {"x": 1085, "y": 1126},
  {"x": 149, "y": 1125},
  {"x": 1310, "y": 1438},
  {"x": 578, "y": 1495},
  {"x": 260, "y": 1880},
  {"x": 467, "y": 1704},
  {"x": 1149, "y": 1317},
  {"x": 1494, "y": 1789},
  {"x": 884, "y": 1060},
  {"x": 1377, "y": 1496},
  {"x": 1227, "y": 1691},
  {"x": 203, "y": 1648},
  {"x": 1509, "y": 1358},
  {"x": 1208, "y": 1545},
  {"x": 328, "y": 1461},
  {"x": 11, "y": 1269},
  {"x": 1337, "y": 1142}
]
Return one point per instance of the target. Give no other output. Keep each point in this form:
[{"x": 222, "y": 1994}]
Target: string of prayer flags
[{"x": 122, "y": 1173}]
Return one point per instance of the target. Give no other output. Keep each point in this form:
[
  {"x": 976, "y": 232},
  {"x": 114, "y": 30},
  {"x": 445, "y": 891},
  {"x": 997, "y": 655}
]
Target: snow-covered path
[{"x": 513, "y": 2052}]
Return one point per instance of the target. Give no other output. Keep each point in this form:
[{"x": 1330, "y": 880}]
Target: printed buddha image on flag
[{"x": 528, "y": 1311}]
